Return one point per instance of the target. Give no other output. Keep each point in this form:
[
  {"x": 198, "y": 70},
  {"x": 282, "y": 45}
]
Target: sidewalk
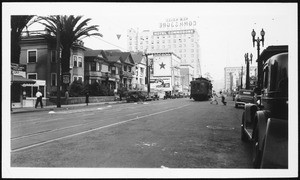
[{"x": 63, "y": 107}]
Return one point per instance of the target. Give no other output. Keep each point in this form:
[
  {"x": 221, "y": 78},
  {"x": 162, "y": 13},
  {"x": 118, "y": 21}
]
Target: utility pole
[
  {"x": 247, "y": 70},
  {"x": 58, "y": 101},
  {"x": 147, "y": 73},
  {"x": 242, "y": 78}
]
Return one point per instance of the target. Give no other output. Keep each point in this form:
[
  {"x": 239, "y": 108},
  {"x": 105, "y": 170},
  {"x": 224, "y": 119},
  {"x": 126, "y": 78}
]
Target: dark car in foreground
[
  {"x": 136, "y": 96},
  {"x": 243, "y": 97}
]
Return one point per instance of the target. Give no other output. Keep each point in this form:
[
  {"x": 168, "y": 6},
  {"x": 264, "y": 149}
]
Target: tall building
[
  {"x": 233, "y": 76},
  {"x": 176, "y": 35}
]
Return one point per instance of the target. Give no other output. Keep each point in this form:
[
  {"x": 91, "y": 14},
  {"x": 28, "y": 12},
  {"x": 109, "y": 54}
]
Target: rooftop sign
[
  {"x": 177, "y": 23},
  {"x": 187, "y": 31}
]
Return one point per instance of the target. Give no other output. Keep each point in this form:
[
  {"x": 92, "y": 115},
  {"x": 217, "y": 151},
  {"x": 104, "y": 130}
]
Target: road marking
[
  {"x": 91, "y": 130},
  {"x": 57, "y": 129}
]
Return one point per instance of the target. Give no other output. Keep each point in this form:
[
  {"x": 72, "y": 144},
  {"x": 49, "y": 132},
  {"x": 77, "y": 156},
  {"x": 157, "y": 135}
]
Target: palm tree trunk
[{"x": 65, "y": 65}]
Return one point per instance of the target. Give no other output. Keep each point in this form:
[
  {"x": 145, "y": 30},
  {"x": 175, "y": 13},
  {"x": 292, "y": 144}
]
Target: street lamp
[
  {"x": 259, "y": 63},
  {"x": 147, "y": 73},
  {"x": 247, "y": 70}
]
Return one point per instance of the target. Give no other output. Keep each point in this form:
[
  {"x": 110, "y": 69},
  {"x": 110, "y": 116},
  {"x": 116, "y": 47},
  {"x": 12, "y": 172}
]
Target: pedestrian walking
[
  {"x": 39, "y": 97},
  {"x": 214, "y": 98},
  {"x": 223, "y": 98},
  {"x": 67, "y": 96},
  {"x": 87, "y": 98}
]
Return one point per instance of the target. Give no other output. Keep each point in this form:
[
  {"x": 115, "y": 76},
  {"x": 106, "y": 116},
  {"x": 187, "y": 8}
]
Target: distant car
[
  {"x": 154, "y": 96},
  {"x": 136, "y": 96},
  {"x": 180, "y": 95},
  {"x": 243, "y": 97}
]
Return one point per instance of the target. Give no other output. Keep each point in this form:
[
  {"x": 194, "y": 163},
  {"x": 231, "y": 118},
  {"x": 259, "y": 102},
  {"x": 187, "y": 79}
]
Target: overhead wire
[{"x": 111, "y": 43}]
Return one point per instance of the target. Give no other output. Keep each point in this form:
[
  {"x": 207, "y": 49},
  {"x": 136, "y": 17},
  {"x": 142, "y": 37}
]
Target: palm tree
[
  {"x": 17, "y": 23},
  {"x": 71, "y": 30}
]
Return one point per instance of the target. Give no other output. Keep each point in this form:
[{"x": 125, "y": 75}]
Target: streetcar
[{"x": 201, "y": 89}]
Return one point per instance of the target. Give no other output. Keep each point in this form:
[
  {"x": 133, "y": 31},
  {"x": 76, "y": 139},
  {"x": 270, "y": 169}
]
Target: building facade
[
  {"x": 186, "y": 72},
  {"x": 176, "y": 35},
  {"x": 39, "y": 55},
  {"x": 165, "y": 73},
  {"x": 234, "y": 75},
  {"x": 138, "y": 81}
]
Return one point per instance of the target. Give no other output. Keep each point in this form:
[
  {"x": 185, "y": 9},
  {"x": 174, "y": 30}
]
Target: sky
[{"x": 224, "y": 28}]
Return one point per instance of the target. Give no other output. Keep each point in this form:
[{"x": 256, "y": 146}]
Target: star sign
[{"x": 162, "y": 65}]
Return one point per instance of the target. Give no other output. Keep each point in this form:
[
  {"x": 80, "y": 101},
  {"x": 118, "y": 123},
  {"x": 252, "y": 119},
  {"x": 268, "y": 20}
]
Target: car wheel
[{"x": 257, "y": 154}]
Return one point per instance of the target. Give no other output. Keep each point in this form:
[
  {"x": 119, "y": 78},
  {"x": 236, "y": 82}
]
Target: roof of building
[
  {"x": 123, "y": 56},
  {"x": 92, "y": 52},
  {"x": 137, "y": 57},
  {"x": 113, "y": 58}
]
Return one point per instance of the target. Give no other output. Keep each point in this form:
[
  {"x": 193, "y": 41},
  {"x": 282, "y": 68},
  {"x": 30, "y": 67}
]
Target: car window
[{"x": 246, "y": 93}]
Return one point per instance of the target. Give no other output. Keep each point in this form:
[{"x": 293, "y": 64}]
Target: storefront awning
[{"x": 22, "y": 80}]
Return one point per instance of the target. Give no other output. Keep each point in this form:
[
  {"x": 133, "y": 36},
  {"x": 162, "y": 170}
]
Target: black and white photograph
[{"x": 149, "y": 90}]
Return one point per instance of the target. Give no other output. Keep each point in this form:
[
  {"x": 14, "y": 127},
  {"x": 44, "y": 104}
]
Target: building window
[
  {"x": 113, "y": 70},
  {"x": 77, "y": 78},
  {"x": 31, "y": 56},
  {"x": 75, "y": 61},
  {"x": 129, "y": 69},
  {"x": 53, "y": 56},
  {"x": 93, "y": 66},
  {"x": 32, "y": 75},
  {"x": 79, "y": 61},
  {"x": 98, "y": 66},
  {"x": 53, "y": 79}
]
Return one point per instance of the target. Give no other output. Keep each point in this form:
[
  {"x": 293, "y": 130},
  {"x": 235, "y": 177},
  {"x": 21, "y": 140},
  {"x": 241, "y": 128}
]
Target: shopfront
[
  {"x": 29, "y": 91},
  {"x": 17, "y": 90}
]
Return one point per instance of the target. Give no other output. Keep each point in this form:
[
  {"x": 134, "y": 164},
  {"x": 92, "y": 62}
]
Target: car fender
[
  {"x": 275, "y": 149},
  {"x": 250, "y": 110},
  {"x": 261, "y": 124}
]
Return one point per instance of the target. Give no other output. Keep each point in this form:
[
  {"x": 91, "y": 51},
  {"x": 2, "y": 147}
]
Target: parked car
[
  {"x": 243, "y": 97},
  {"x": 180, "y": 95},
  {"x": 154, "y": 96},
  {"x": 136, "y": 96}
]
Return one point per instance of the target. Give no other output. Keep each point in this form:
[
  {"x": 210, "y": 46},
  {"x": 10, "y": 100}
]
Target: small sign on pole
[{"x": 66, "y": 79}]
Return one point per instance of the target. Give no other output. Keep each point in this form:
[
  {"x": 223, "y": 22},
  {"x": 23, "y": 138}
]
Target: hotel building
[{"x": 177, "y": 35}]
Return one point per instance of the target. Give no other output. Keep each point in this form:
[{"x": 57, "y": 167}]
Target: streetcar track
[
  {"x": 58, "y": 129},
  {"x": 93, "y": 129}
]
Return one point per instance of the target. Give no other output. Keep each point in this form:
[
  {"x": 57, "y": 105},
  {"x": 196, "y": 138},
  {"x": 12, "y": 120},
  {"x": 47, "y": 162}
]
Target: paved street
[{"x": 173, "y": 133}]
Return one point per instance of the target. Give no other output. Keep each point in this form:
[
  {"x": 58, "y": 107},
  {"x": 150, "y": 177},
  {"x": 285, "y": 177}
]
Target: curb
[{"x": 65, "y": 107}]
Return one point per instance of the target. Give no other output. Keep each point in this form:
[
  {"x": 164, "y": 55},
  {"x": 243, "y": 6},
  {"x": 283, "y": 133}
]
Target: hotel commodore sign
[
  {"x": 187, "y": 31},
  {"x": 177, "y": 23}
]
